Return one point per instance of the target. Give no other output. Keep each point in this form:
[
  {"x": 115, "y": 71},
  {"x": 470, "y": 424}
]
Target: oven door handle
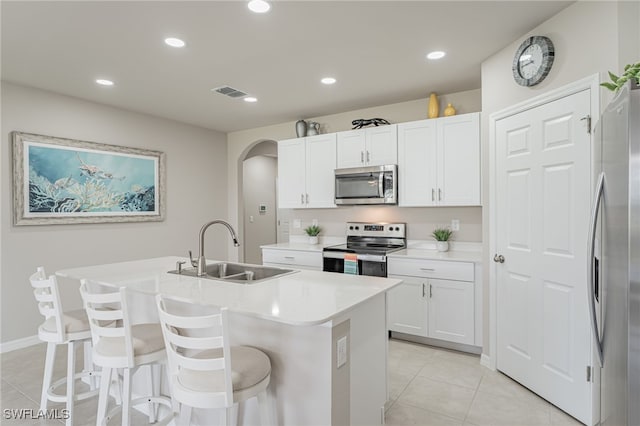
[{"x": 381, "y": 185}]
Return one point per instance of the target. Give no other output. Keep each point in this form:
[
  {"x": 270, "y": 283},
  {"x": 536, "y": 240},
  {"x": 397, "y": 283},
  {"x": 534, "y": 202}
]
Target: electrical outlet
[
  {"x": 297, "y": 224},
  {"x": 314, "y": 222},
  {"x": 455, "y": 225},
  {"x": 342, "y": 351}
]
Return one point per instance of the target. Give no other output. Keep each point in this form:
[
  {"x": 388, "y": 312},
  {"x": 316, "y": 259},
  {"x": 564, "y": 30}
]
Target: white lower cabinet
[
  {"x": 296, "y": 259},
  {"x": 437, "y": 299}
]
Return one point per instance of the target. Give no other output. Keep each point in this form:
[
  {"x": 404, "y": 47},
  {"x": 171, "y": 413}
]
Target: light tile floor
[{"x": 428, "y": 386}]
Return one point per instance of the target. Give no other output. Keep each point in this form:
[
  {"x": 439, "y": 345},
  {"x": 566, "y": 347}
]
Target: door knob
[{"x": 498, "y": 258}]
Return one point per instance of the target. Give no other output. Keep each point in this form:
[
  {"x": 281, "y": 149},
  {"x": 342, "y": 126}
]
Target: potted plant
[
  {"x": 442, "y": 236},
  {"x": 313, "y": 231},
  {"x": 631, "y": 72}
]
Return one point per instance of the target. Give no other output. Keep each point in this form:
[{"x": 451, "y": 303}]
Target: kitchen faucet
[{"x": 201, "y": 263}]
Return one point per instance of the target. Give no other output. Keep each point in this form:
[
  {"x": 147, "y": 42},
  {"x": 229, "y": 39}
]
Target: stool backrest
[
  {"x": 186, "y": 337},
  {"x": 48, "y": 297},
  {"x": 108, "y": 315}
]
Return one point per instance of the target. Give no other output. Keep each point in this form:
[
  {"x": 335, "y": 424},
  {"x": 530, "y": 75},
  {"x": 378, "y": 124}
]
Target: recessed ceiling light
[
  {"x": 436, "y": 55},
  {"x": 250, "y": 99},
  {"x": 174, "y": 42},
  {"x": 328, "y": 80},
  {"x": 259, "y": 6},
  {"x": 104, "y": 82}
]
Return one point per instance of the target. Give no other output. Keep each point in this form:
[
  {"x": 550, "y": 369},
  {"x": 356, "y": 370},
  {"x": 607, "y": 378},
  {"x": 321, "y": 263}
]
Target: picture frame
[{"x": 67, "y": 181}]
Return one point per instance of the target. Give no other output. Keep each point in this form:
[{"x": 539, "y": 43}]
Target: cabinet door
[
  {"x": 417, "y": 175},
  {"x": 407, "y": 307},
  {"x": 459, "y": 160},
  {"x": 351, "y": 149},
  {"x": 291, "y": 173},
  {"x": 451, "y": 314},
  {"x": 381, "y": 145},
  {"x": 320, "y": 165}
]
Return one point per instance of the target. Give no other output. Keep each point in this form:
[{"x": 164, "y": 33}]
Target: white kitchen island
[{"x": 297, "y": 319}]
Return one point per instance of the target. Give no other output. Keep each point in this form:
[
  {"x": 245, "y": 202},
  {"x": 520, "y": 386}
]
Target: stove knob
[
  {"x": 357, "y": 228},
  {"x": 351, "y": 228},
  {"x": 397, "y": 228},
  {"x": 391, "y": 228}
]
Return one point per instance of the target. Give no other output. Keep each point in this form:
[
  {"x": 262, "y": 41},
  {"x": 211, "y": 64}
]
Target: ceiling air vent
[{"x": 230, "y": 91}]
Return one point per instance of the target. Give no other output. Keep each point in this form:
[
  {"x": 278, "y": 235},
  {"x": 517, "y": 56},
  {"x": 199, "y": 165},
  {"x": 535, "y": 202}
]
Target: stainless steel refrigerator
[{"x": 615, "y": 259}]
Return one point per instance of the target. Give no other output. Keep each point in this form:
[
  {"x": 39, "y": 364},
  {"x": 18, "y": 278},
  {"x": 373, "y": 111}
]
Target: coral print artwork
[{"x": 65, "y": 181}]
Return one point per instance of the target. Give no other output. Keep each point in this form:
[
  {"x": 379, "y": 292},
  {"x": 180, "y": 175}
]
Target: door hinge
[
  {"x": 589, "y": 378},
  {"x": 588, "y": 118}
]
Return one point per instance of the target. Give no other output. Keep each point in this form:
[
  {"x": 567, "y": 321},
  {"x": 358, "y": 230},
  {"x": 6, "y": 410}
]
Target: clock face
[{"x": 533, "y": 60}]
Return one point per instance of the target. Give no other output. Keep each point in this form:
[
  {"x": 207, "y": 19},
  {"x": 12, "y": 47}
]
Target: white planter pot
[
  {"x": 442, "y": 245},
  {"x": 313, "y": 240}
]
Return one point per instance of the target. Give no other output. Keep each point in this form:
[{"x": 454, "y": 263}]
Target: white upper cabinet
[
  {"x": 305, "y": 172},
  {"x": 374, "y": 146},
  {"x": 439, "y": 161}
]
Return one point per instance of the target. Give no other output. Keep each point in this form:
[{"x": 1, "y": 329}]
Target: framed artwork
[{"x": 65, "y": 181}]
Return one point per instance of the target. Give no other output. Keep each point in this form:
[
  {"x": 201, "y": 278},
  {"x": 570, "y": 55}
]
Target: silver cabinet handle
[
  {"x": 290, "y": 257},
  {"x": 427, "y": 269},
  {"x": 368, "y": 157},
  {"x": 433, "y": 194},
  {"x": 498, "y": 258},
  {"x": 301, "y": 198},
  {"x": 362, "y": 156},
  {"x": 430, "y": 291},
  {"x": 307, "y": 198},
  {"x": 439, "y": 194},
  {"x": 423, "y": 290},
  {"x": 590, "y": 277}
]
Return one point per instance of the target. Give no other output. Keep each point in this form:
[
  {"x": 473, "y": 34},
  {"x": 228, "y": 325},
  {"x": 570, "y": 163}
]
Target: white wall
[
  {"x": 586, "y": 36},
  {"x": 239, "y": 143},
  {"x": 196, "y": 192},
  {"x": 259, "y": 178}
]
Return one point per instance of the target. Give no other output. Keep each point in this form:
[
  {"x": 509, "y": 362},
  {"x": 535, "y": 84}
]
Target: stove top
[{"x": 372, "y": 238}]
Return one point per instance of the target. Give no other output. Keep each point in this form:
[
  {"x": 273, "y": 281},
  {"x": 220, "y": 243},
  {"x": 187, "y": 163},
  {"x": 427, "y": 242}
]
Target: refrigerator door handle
[{"x": 590, "y": 273}]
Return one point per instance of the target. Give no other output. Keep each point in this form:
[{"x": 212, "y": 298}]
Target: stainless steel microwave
[{"x": 367, "y": 185}]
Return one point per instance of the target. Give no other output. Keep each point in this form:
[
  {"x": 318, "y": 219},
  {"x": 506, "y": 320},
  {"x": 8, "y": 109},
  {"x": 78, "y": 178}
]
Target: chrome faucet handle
[
  {"x": 194, "y": 263},
  {"x": 179, "y": 266}
]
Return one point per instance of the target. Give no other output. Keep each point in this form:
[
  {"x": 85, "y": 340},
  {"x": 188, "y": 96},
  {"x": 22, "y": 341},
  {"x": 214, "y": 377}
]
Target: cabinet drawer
[
  {"x": 441, "y": 269},
  {"x": 293, "y": 257}
]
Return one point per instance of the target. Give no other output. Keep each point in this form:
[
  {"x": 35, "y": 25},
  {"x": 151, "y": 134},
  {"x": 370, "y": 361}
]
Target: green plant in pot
[
  {"x": 442, "y": 236},
  {"x": 313, "y": 231},
  {"x": 631, "y": 72}
]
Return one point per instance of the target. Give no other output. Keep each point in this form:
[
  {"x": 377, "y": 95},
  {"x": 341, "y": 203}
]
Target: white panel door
[
  {"x": 542, "y": 210},
  {"x": 451, "y": 314},
  {"x": 459, "y": 160},
  {"x": 291, "y": 173},
  {"x": 321, "y": 163},
  {"x": 407, "y": 306},
  {"x": 382, "y": 145},
  {"x": 417, "y": 163},
  {"x": 351, "y": 149}
]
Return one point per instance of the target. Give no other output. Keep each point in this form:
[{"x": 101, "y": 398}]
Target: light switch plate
[
  {"x": 455, "y": 225},
  {"x": 296, "y": 224},
  {"x": 342, "y": 351}
]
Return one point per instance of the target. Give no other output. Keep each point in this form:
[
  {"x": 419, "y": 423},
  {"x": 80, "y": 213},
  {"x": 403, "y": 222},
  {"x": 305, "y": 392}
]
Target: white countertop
[
  {"x": 300, "y": 298},
  {"x": 428, "y": 254}
]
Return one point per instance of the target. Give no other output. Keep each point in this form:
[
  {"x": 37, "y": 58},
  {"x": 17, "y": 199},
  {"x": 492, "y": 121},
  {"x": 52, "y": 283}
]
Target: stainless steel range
[{"x": 365, "y": 252}]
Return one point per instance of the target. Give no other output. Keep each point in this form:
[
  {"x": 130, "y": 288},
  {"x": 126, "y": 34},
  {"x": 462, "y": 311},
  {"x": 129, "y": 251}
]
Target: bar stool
[
  {"x": 60, "y": 327},
  {"x": 121, "y": 345},
  {"x": 204, "y": 370}
]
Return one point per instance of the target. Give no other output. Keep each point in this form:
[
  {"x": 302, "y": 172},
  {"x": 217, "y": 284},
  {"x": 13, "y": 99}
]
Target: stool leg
[
  {"x": 105, "y": 382},
  {"x": 264, "y": 405},
  {"x": 154, "y": 381},
  {"x": 185, "y": 415},
  {"x": 126, "y": 397},
  {"x": 71, "y": 372},
  {"x": 88, "y": 364},
  {"x": 48, "y": 374}
]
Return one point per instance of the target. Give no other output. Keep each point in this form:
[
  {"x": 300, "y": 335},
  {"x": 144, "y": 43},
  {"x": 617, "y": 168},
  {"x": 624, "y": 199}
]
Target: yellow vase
[
  {"x": 449, "y": 111},
  {"x": 434, "y": 108}
]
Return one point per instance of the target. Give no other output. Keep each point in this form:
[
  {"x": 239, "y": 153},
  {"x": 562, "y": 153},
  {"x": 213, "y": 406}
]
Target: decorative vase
[
  {"x": 313, "y": 128},
  {"x": 434, "y": 108},
  {"x": 313, "y": 240},
  {"x": 449, "y": 111},
  {"x": 442, "y": 245},
  {"x": 301, "y": 128}
]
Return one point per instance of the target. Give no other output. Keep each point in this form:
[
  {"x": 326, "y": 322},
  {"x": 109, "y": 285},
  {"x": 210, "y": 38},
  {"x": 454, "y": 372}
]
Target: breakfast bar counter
[{"x": 297, "y": 319}]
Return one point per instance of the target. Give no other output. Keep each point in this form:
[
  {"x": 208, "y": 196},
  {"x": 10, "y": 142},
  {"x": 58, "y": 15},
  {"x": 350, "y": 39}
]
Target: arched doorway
[{"x": 257, "y": 209}]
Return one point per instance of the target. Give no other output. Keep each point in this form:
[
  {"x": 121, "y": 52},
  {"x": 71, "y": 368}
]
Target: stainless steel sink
[{"x": 236, "y": 272}]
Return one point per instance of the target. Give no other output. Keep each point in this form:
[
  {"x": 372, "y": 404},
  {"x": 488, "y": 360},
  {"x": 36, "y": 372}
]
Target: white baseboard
[
  {"x": 485, "y": 360},
  {"x": 13, "y": 345}
]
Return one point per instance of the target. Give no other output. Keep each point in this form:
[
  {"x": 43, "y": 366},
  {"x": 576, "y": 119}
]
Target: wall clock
[{"x": 533, "y": 60}]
